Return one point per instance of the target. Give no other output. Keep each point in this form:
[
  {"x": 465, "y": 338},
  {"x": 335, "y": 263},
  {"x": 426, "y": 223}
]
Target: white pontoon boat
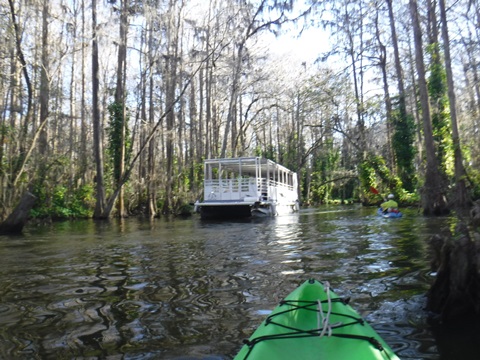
[{"x": 247, "y": 186}]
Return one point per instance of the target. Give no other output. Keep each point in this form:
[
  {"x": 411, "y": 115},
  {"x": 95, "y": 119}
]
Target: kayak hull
[
  {"x": 389, "y": 215},
  {"x": 295, "y": 330}
]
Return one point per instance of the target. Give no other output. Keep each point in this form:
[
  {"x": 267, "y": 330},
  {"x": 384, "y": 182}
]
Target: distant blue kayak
[{"x": 389, "y": 214}]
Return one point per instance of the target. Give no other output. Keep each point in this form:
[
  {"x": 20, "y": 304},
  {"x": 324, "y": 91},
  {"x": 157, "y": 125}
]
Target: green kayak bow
[{"x": 314, "y": 323}]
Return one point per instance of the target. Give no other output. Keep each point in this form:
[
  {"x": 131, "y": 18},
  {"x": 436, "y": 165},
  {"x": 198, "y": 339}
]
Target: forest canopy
[{"x": 109, "y": 107}]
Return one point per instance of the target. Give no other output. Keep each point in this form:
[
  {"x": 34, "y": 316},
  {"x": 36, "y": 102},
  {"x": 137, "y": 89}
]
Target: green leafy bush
[{"x": 61, "y": 203}]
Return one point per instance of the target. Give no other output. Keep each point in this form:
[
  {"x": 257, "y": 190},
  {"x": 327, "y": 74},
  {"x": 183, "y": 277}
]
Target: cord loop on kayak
[{"x": 323, "y": 321}]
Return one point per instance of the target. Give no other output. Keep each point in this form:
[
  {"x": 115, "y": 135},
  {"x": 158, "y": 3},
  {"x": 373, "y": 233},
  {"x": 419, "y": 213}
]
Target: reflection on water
[{"x": 192, "y": 289}]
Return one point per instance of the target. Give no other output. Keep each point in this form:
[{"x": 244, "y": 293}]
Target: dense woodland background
[{"x": 108, "y": 108}]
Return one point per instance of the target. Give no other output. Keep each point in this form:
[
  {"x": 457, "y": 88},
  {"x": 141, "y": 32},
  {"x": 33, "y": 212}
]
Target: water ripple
[{"x": 187, "y": 289}]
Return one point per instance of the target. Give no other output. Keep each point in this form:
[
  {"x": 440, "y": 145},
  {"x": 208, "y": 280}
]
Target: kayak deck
[
  {"x": 389, "y": 215},
  {"x": 314, "y": 323}
]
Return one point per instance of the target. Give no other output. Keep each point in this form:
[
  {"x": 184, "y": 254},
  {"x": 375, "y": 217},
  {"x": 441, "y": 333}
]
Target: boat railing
[
  {"x": 262, "y": 188},
  {"x": 229, "y": 189},
  {"x": 247, "y": 187},
  {"x": 279, "y": 190}
]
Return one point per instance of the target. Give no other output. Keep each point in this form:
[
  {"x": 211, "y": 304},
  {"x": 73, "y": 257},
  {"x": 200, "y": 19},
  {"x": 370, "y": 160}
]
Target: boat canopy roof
[{"x": 249, "y": 166}]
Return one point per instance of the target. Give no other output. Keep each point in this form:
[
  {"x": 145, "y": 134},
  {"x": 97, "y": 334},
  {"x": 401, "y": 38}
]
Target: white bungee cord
[{"x": 323, "y": 321}]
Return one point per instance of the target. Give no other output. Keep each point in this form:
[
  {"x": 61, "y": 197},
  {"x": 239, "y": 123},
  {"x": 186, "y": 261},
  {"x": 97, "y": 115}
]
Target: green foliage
[
  {"x": 408, "y": 198},
  {"x": 437, "y": 80},
  {"x": 268, "y": 152},
  {"x": 60, "y": 203},
  {"x": 196, "y": 181},
  {"x": 367, "y": 175},
  {"x": 403, "y": 146},
  {"x": 186, "y": 180},
  {"x": 374, "y": 170},
  {"x": 118, "y": 125},
  {"x": 288, "y": 153},
  {"x": 468, "y": 150},
  {"x": 83, "y": 201},
  {"x": 348, "y": 190},
  {"x": 324, "y": 166},
  {"x": 437, "y": 88},
  {"x": 474, "y": 179},
  {"x": 184, "y": 209}
]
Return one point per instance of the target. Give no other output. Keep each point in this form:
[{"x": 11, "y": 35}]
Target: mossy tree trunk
[{"x": 434, "y": 201}]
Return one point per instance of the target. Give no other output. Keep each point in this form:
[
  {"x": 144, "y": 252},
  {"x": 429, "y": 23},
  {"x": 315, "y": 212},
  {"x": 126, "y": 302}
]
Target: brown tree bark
[
  {"x": 462, "y": 199},
  {"x": 83, "y": 121},
  {"x": 44, "y": 85},
  {"x": 388, "y": 100},
  {"x": 398, "y": 62},
  {"x": 171, "y": 70},
  {"x": 433, "y": 192},
  {"x": 18, "y": 166},
  {"x": 120, "y": 97},
  {"x": 97, "y": 134},
  {"x": 402, "y": 119},
  {"x": 18, "y": 217},
  {"x": 151, "y": 177}
]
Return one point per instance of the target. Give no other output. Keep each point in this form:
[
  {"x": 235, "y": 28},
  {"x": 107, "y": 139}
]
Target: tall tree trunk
[
  {"x": 209, "y": 126},
  {"x": 83, "y": 122},
  {"x": 433, "y": 194},
  {"x": 475, "y": 71},
  {"x": 14, "y": 123},
  {"x": 194, "y": 139},
  {"x": 234, "y": 91},
  {"x": 461, "y": 200},
  {"x": 437, "y": 92},
  {"x": 151, "y": 178},
  {"x": 97, "y": 127},
  {"x": 170, "y": 94},
  {"x": 73, "y": 101},
  {"x": 202, "y": 135},
  {"x": 18, "y": 166},
  {"x": 398, "y": 63},
  {"x": 44, "y": 86},
  {"x": 402, "y": 129},
  {"x": 414, "y": 109},
  {"x": 120, "y": 99},
  {"x": 472, "y": 85},
  {"x": 388, "y": 101}
]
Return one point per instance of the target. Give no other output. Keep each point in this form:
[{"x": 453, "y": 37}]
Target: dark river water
[{"x": 189, "y": 289}]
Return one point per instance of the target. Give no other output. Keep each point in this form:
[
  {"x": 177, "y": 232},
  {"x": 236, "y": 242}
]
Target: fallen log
[{"x": 15, "y": 222}]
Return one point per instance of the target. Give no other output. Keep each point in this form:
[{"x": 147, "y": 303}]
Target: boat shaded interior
[{"x": 226, "y": 211}]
